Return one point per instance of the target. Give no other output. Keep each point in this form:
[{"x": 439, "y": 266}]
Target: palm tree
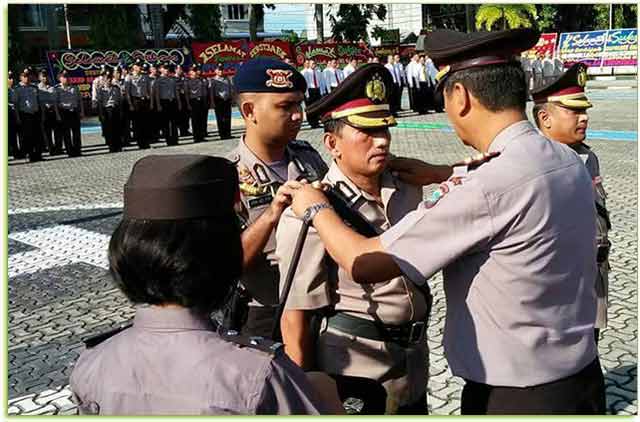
[
  {"x": 319, "y": 18},
  {"x": 505, "y": 16}
]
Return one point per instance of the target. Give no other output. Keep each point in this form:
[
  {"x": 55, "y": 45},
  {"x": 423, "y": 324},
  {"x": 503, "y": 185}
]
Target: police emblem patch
[
  {"x": 376, "y": 91},
  {"x": 582, "y": 77},
  {"x": 279, "y": 78}
]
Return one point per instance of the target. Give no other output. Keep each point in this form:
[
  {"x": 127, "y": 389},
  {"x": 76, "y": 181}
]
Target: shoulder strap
[{"x": 349, "y": 215}]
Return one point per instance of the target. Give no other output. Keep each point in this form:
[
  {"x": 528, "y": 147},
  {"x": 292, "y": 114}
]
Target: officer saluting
[
  {"x": 71, "y": 112},
  {"x": 220, "y": 98},
  {"x": 197, "y": 94},
  {"x": 269, "y": 94},
  {"x": 28, "y": 106},
  {"x": 510, "y": 232},
  {"x": 388, "y": 317},
  {"x": 138, "y": 93},
  {"x": 560, "y": 112},
  {"x": 165, "y": 93}
]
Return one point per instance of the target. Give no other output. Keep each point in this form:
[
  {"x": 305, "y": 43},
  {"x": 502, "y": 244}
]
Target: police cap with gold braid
[
  {"x": 361, "y": 100},
  {"x": 566, "y": 90},
  {"x": 452, "y": 51}
]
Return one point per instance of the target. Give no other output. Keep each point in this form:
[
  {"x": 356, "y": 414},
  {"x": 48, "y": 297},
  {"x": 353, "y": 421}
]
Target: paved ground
[{"x": 62, "y": 211}]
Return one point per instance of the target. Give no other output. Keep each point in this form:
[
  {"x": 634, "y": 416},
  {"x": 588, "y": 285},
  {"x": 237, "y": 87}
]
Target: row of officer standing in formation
[
  {"x": 149, "y": 102},
  {"x": 518, "y": 230}
]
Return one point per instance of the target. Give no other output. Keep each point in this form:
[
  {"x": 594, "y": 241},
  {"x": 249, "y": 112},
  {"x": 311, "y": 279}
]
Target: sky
[{"x": 286, "y": 17}]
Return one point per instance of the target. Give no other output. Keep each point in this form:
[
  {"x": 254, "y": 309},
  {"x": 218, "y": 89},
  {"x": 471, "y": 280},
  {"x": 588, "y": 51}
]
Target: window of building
[
  {"x": 78, "y": 15},
  {"x": 237, "y": 12},
  {"x": 30, "y": 15}
]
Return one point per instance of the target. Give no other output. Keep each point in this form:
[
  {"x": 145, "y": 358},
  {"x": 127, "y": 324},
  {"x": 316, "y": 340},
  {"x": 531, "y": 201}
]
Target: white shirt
[
  {"x": 400, "y": 72},
  {"x": 537, "y": 66},
  {"x": 348, "y": 70},
  {"x": 410, "y": 71},
  {"x": 319, "y": 80},
  {"x": 558, "y": 67},
  {"x": 330, "y": 78},
  {"x": 547, "y": 67}
]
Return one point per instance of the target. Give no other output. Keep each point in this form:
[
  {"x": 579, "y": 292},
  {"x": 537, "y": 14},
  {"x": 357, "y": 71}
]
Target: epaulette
[
  {"x": 300, "y": 144},
  {"x": 262, "y": 344},
  {"x": 477, "y": 160}
]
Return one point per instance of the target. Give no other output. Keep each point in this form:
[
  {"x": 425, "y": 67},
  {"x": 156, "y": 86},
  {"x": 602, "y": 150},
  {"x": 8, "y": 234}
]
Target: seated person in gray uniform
[
  {"x": 270, "y": 162},
  {"x": 376, "y": 331},
  {"x": 560, "y": 112},
  {"x": 509, "y": 232},
  {"x": 171, "y": 360}
]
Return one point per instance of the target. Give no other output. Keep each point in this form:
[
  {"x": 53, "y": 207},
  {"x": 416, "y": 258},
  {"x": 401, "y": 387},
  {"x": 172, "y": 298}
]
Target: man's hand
[
  {"x": 418, "y": 172},
  {"x": 306, "y": 196},
  {"x": 283, "y": 197}
]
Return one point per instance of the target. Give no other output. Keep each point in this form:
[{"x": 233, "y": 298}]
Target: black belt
[
  {"x": 405, "y": 335},
  {"x": 603, "y": 252}
]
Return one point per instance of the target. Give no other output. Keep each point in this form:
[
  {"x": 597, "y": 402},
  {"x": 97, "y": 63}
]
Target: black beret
[
  {"x": 43, "y": 72},
  {"x": 195, "y": 67},
  {"x": 145, "y": 67},
  {"x": 177, "y": 187},
  {"x": 452, "y": 51},
  {"x": 138, "y": 62},
  {"x": 10, "y": 75},
  {"x": 268, "y": 75},
  {"x": 566, "y": 90},
  {"x": 361, "y": 100}
]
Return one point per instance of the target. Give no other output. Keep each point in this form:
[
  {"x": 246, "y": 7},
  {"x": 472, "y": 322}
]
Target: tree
[
  {"x": 291, "y": 36},
  {"x": 505, "y": 16},
  {"x": 319, "y": 18},
  {"x": 205, "y": 21},
  {"x": 351, "y": 21},
  {"x": 115, "y": 27},
  {"x": 256, "y": 15},
  {"x": 16, "y": 40},
  {"x": 446, "y": 16}
]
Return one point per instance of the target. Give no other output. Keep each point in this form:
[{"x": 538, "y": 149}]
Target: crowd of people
[
  {"x": 141, "y": 104},
  {"x": 337, "y": 257}
]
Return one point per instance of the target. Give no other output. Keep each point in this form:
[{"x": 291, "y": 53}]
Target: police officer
[
  {"x": 183, "y": 114},
  {"x": 560, "y": 112},
  {"x": 165, "y": 94},
  {"x": 197, "y": 96},
  {"x": 510, "y": 232},
  {"x": 29, "y": 116},
  {"x": 110, "y": 110},
  {"x": 315, "y": 88},
  {"x": 138, "y": 90},
  {"x": 154, "y": 118},
  {"x": 71, "y": 113},
  {"x": 95, "y": 85},
  {"x": 15, "y": 149},
  {"x": 172, "y": 361},
  {"x": 220, "y": 97},
  {"x": 119, "y": 78},
  {"x": 270, "y": 162},
  {"x": 388, "y": 317},
  {"x": 50, "y": 114}
]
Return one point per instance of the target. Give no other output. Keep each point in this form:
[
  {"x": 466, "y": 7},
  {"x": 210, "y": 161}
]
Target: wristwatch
[{"x": 311, "y": 212}]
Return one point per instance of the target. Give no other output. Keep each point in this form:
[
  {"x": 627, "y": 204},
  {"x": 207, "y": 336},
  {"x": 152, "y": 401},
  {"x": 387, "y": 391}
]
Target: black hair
[
  {"x": 498, "y": 87},
  {"x": 333, "y": 126},
  {"x": 192, "y": 263},
  {"x": 535, "y": 111}
]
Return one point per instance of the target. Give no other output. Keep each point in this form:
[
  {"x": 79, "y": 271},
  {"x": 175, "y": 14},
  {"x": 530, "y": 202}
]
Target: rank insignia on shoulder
[
  {"x": 477, "y": 160},
  {"x": 253, "y": 342}
]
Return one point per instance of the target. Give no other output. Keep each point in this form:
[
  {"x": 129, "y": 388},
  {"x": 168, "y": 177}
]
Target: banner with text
[
  {"x": 546, "y": 44},
  {"x": 342, "y": 52},
  {"x": 83, "y": 66},
  {"x": 610, "y": 48}
]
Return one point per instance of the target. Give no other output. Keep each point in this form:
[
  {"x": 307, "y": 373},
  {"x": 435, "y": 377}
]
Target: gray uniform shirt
[
  {"x": 12, "y": 99},
  {"x": 171, "y": 362},
  {"x": 518, "y": 254},
  {"x": 220, "y": 88},
  {"x": 139, "y": 86},
  {"x": 27, "y": 100},
  {"x": 109, "y": 96},
  {"x": 258, "y": 184},
  {"x": 602, "y": 233},
  {"x": 196, "y": 88},
  {"x": 68, "y": 97},
  {"x": 166, "y": 87},
  {"x": 47, "y": 95}
]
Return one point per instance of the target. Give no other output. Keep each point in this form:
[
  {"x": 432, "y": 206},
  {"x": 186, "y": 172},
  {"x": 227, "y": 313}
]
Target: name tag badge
[{"x": 260, "y": 201}]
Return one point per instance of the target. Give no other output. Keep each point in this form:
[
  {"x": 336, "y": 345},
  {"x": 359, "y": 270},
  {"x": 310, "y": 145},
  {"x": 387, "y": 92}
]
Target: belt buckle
[{"x": 416, "y": 333}]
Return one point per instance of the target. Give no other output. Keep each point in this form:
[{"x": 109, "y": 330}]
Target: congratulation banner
[
  {"x": 83, "y": 66},
  {"x": 276, "y": 49},
  {"x": 322, "y": 53},
  {"x": 610, "y": 48},
  {"x": 546, "y": 44},
  {"x": 228, "y": 53}
]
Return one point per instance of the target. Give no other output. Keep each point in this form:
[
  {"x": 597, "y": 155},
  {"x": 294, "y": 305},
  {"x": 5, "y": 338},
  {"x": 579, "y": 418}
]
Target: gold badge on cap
[
  {"x": 582, "y": 77},
  {"x": 279, "y": 78},
  {"x": 375, "y": 88}
]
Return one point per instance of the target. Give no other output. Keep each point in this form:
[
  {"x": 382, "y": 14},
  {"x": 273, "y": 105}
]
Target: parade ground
[{"x": 62, "y": 212}]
